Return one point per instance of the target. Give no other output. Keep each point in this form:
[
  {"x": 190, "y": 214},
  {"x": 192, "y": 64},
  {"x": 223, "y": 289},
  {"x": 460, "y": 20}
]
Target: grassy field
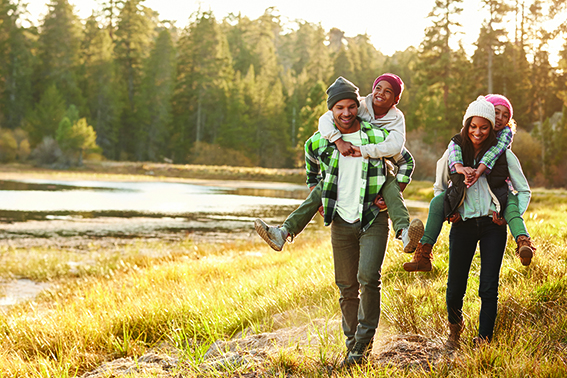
[{"x": 108, "y": 303}]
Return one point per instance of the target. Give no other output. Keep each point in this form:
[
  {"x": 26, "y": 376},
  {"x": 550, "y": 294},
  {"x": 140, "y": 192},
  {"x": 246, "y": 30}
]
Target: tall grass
[{"x": 105, "y": 304}]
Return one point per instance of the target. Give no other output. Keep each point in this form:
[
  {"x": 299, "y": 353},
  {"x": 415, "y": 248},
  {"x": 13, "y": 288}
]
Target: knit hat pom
[
  {"x": 480, "y": 108},
  {"x": 341, "y": 89},
  {"x": 496, "y": 99}
]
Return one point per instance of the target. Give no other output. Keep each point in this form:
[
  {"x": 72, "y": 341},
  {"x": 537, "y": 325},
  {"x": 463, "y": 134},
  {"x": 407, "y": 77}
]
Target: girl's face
[
  {"x": 502, "y": 117},
  {"x": 479, "y": 129}
]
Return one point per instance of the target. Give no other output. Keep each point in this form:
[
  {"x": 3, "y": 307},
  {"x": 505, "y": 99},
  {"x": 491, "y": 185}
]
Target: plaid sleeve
[
  {"x": 406, "y": 166},
  {"x": 455, "y": 156},
  {"x": 494, "y": 152},
  {"x": 311, "y": 164}
]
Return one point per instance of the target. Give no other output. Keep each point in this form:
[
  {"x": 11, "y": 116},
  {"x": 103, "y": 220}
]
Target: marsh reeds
[{"x": 104, "y": 304}]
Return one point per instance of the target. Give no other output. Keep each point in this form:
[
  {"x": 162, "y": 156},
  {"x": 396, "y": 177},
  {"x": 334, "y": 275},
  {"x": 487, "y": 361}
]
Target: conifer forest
[{"x": 125, "y": 85}]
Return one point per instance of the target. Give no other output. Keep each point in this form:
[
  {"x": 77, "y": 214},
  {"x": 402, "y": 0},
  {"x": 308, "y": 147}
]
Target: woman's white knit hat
[{"x": 480, "y": 108}]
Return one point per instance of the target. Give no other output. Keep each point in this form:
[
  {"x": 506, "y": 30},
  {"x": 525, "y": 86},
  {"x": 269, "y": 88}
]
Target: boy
[{"x": 379, "y": 109}]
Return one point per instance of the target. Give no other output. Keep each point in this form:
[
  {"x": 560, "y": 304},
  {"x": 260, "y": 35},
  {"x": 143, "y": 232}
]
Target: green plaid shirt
[{"x": 322, "y": 163}]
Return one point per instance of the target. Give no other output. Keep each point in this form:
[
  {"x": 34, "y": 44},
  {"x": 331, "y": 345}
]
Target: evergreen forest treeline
[{"x": 125, "y": 85}]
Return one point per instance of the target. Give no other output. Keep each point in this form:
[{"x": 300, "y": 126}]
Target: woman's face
[
  {"x": 479, "y": 129},
  {"x": 502, "y": 117}
]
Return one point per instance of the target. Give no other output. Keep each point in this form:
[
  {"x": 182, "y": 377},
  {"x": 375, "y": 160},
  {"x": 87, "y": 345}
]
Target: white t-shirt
[{"x": 349, "y": 182}]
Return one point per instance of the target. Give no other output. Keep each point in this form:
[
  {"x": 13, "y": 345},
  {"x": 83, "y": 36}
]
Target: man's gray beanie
[{"x": 341, "y": 89}]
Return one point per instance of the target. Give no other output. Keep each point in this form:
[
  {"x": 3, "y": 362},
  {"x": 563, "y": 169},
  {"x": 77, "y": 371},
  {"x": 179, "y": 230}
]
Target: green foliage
[
  {"x": 59, "y": 46},
  {"x": 44, "y": 120},
  {"x": 150, "y": 91}
]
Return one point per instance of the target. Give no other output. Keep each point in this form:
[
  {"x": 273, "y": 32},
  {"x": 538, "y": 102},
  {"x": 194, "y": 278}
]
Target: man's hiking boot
[
  {"x": 455, "y": 331},
  {"x": 358, "y": 354},
  {"x": 412, "y": 235},
  {"x": 525, "y": 249},
  {"x": 421, "y": 261},
  {"x": 274, "y": 236}
]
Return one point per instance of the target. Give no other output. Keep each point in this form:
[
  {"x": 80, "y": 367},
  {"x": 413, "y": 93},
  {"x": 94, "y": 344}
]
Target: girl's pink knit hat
[{"x": 496, "y": 99}]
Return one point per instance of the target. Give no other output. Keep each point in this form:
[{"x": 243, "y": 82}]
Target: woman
[
  {"x": 505, "y": 128},
  {"x": 480, "y": 208}
]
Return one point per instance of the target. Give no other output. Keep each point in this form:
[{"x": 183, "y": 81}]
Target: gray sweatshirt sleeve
[
  {"x": 441, "y": 174},
  {"x": 519, "y": 181},
  {"x": 394, "y": 142}
]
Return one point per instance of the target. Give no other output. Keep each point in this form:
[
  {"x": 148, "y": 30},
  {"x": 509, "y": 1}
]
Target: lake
[{"x": 35, "y": 210}]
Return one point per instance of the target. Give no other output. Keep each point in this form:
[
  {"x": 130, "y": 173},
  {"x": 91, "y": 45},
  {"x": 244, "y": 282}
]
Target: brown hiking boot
[
  {"x": 421, "y": 261},
  {"x": 525, "y": 249},
  {"x": 455, "y": 331}
]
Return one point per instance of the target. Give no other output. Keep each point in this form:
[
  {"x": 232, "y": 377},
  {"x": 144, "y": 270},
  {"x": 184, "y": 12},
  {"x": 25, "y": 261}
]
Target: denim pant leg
[
  {"x": 492, "y": 246},
  {"x": 344, "y": 239},
  {"x": 358, "y": 258},
  {"x": 435, "y": 219},
  {"x": 373, "y": 244},
  {"x": 514, "y": 218},
  {"x": 300, "y": 217},
  {"x": 463, "y": 239},
  {"x": 397, "y": 210}
]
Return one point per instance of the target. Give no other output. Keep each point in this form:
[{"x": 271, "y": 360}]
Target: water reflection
[{"x": 96, "y": 209}]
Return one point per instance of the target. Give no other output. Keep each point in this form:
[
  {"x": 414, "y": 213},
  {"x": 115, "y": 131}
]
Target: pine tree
[
  {"x": 156, "y": 97},
  {"x": 16, "y": 65},
  {"x": 99, "y": 83},
  {"x": 204, "y": 71},
  {"x": 44, "y": 120},
  {"x": 133, "y": 41},
  {"x": 59, "y": 52},
  {"x": 438, "y": 113}
]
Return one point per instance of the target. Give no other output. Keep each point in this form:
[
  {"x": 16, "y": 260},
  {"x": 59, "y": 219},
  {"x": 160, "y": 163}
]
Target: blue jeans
[
  {"x": 358, "y": 258},
  {"x": 463, "y": 240}
]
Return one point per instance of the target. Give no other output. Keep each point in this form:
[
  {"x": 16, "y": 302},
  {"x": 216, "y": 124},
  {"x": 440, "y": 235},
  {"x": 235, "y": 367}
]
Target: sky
[{"x": 393, "y": 25}]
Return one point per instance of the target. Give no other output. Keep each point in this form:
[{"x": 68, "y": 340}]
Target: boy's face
[
  {"x": 344, "y": 115},
  {"x": 383, "y": 97}
]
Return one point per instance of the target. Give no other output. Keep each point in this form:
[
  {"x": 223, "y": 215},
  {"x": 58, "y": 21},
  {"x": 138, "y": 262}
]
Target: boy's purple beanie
[
  {"x": 394, "y": 80},
  {"x": 496, "y": 99}
]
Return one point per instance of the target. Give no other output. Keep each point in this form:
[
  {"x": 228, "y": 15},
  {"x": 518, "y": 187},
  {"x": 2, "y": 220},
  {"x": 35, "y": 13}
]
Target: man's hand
[
  {"x": 379, "y": 201},
  {"x": 321, "y": 211},
  {"x": 345, "y": 148},
  {"x": 455, "y": 217},
  {"x": 496, "y": 219},
  {"x": 356, "y": 151},
  {"x": 403, "y": 185}
]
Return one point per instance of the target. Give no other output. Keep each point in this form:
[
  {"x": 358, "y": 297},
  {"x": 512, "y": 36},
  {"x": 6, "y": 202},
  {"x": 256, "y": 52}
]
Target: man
[{"x": 359, "y": 230}]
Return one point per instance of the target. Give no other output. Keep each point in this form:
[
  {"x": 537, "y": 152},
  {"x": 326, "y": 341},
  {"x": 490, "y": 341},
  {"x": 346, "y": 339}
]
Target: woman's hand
[
  {"x": 497, "y": 219},
  {"x": 455, "y": 217}
]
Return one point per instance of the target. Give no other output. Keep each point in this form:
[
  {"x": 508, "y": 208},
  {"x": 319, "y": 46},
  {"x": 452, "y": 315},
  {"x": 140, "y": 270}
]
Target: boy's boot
[
  {"x": 454, "y": 335},
  {"x": 421, "y": 261},
  {"x": 274, "y": 236},
  {"x": 525, "y": 249},
  {"x": 412, "y": 235}
]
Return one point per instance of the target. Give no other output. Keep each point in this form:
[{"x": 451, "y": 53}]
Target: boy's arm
[
  {"x": 394, "y": 142},
  {"x": 494, "y": 152},
  {"x": 327, "y": 127}
]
